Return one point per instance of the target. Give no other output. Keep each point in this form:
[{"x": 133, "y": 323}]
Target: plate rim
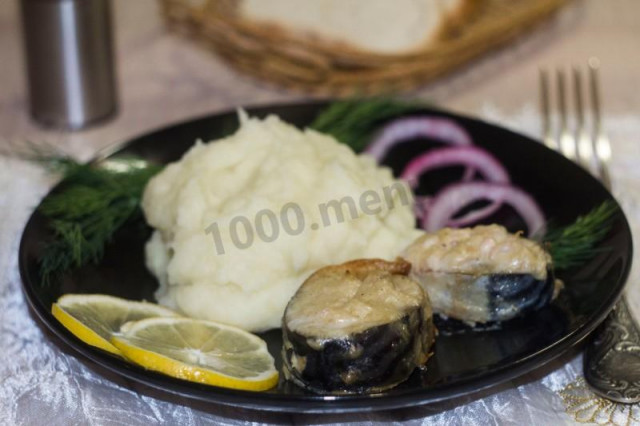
[{"x": 316, "y": 403}]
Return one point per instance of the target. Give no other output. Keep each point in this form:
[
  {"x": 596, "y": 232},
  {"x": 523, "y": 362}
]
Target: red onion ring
[
  {"x": 403, "y": 129},
  {"x": 454, "y": 197},
  {"x": 473, "y": 157}
]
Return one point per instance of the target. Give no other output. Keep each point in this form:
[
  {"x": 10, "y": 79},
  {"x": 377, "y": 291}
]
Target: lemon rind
[
  {"x": 161, "y": 363},
  {"x": 73, "y": 299},
  {"x": 81, "y": 331},
  {"x": 86, "y": 333}
]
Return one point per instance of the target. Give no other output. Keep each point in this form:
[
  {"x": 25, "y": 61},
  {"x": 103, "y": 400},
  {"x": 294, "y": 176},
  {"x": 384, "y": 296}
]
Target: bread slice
[{"x": 376, "y": 26}]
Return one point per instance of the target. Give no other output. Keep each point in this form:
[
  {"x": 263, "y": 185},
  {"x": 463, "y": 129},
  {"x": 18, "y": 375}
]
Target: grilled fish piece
[
  {"x": 481, "y": 274},
  {"x": 362, "y": 326}
]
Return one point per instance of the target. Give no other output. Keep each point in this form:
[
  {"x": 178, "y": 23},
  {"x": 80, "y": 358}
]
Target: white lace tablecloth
[{"x": 164, "y": 78}]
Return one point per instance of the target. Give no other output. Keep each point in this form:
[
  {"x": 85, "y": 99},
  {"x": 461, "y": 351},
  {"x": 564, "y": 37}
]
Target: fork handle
[{"x": 612, "y": 358}]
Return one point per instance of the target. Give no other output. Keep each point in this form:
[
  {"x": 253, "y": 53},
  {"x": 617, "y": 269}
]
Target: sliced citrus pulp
[
  {"x": 93, "y": 318},
  {"x": 199, "y": 351}
]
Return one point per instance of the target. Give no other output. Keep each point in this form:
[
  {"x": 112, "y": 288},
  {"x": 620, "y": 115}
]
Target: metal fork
[
  {"x": 591, "y": 151},
  {"x": 610, "y": 367}
]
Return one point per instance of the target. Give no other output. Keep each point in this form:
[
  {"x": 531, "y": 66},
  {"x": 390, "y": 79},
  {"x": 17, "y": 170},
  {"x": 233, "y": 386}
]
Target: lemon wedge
[
  {"x": 199, "y": 351},
  {"x": 93, "y": 318}
]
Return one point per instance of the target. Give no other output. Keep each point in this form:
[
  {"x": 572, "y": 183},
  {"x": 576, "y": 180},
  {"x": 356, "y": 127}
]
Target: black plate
[{"x": 462, "y": 363}]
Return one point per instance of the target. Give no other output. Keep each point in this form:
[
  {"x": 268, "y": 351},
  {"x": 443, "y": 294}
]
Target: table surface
[{"x": 164, "y": 78}]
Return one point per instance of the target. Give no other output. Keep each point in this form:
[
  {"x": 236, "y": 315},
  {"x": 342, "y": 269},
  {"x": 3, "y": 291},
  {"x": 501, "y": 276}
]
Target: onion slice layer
[
  {"x": 403, "y": 129},
  {"x": 454, "y": 197}
]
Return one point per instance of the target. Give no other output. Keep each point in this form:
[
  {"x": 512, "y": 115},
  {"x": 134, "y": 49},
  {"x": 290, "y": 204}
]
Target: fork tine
[
  {"x": 601, "y": 145},
  {"x": 582, "y": 141},
  {"x": 594, "y": 64},
  {"x": 567, "y": 142},
  {"x": 547, "y": 135}
]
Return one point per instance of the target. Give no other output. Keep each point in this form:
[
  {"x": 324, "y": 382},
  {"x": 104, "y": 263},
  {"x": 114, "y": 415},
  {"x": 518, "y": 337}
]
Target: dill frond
[
  {"x": 575, "y": 244},
  {"x": 92, "y": 203}
]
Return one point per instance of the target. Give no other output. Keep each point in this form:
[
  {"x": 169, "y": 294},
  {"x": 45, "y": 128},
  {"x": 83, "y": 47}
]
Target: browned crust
[{"x": 361, "y": 268}]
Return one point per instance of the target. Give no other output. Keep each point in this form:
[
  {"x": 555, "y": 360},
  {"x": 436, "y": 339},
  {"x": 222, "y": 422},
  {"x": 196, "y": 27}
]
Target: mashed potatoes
[{"x": 266, "y": 164}]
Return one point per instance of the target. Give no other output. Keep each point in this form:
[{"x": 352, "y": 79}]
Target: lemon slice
[
  {"x": 199, "y": 351},
  {"x": 93, "y": 318}
]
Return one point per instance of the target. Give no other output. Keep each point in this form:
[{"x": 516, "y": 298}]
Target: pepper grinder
[{"x": 69, "y": 61}]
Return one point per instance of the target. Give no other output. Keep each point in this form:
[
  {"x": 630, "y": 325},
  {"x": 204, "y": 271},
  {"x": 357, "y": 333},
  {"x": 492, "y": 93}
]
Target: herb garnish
[
  {"x": 90, "y": 206},
  {"x": 575, "y": 244}
]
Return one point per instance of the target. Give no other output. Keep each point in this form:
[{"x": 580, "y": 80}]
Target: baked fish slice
[
  {"x": 481, "y": 274},
  {"x": 362, "y": 326}
]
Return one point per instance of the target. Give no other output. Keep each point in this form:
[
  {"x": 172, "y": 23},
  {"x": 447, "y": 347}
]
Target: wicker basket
[{"x": 318, "y": 67}]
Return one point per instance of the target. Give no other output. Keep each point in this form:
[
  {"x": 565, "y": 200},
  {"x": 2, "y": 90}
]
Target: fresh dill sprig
[
  {"x": 93, "y": 202},
  {"x": 575, "y": 244},
  {"x": 353, "y": 122}
]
